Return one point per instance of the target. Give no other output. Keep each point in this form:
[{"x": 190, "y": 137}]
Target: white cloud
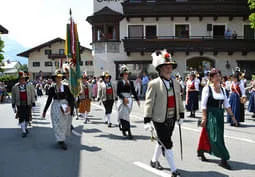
[{"x": 32, "y": 22}]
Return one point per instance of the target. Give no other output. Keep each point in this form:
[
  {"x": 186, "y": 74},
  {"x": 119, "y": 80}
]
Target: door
[
  {"x": 248, "y": 32},
  {"x": 218, "y": 31},
  {"x": 151, "y": 31}
]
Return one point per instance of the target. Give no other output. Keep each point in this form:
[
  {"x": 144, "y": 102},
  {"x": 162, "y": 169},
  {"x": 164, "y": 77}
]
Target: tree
[
  {"x": 1, "y": 53},
  {"x": 23, "y": 67},
  {"x": 252, "y": 15}
]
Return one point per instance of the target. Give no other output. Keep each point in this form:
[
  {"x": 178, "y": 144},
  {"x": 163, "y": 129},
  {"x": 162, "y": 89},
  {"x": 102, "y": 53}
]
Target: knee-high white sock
[
  {"x": 170, "y": 159},
  {"x": 109, "y": 118},
  {"x": 85, "y": 115},
  {"x": 157, "y": 153},
  {"x": 23, "y": 126}
]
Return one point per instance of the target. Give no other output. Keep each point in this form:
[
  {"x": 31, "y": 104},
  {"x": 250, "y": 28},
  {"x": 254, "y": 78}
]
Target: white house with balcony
[{"x": 198, "y": 34}]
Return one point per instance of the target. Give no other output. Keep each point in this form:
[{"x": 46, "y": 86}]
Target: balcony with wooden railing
[{"x": 190, "y": 44}]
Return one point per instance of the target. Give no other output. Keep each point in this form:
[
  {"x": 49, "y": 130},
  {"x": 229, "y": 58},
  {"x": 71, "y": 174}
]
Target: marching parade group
[{"x": 163, "y": 106}]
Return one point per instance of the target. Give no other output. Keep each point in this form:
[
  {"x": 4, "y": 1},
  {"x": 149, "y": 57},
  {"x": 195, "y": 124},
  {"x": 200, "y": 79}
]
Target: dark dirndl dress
[
  {"x": 212, "y": 136},
  {"x": 251, "y": 105},
  {"x": 192, "y": 102},
  {"x": 234, "y": 101}
]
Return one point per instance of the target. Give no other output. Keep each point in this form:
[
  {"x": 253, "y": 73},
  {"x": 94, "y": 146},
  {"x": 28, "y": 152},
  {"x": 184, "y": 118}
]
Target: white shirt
[{"x": 216, "y": 96}]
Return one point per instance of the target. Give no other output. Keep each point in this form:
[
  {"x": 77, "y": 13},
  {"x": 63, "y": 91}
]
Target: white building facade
[
  {"x": 194, "y": 32},
  {"x": 43, "y": 60}
]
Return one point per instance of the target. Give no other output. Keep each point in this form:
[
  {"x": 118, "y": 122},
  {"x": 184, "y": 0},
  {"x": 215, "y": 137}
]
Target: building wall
[
  {"x": 40, "y": 56},
  {"x": 166, "y": 27},
  {"x": 113, "y": 4},
  {"x": 104, "y": 60}
]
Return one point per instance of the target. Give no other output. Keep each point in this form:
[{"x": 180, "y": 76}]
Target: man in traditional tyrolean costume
[
  {"x": 163, "y": 107},
  {"x": 23, "y": 99}
]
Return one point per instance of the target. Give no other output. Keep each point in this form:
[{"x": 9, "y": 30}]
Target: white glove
[
  {"x": 148, "y": 127},
  {"x": 180, "y": 121},
  {"x": 14, "y": 110}
]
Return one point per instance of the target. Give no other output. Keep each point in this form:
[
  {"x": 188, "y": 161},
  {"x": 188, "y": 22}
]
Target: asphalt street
[{"x": 95, "y": 150}]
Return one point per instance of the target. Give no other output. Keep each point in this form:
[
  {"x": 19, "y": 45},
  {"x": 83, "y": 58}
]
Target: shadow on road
[
  {"x": 201, "y": 174},
  {"x": 37, "y": 155}
]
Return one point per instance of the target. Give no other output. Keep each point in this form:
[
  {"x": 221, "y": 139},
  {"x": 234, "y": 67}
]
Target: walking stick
[{"x": 180, "y": 132}]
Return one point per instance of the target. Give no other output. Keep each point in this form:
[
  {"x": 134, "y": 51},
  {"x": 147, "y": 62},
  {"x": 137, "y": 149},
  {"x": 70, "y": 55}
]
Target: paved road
[{"x": 103, "y": 152}]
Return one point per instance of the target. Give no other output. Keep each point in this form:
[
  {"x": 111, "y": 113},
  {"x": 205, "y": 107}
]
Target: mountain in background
[{"x": 11, "y": 49}]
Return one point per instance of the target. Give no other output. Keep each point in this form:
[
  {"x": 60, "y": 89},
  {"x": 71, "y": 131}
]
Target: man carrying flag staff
[{"x": 163, "y": 107}]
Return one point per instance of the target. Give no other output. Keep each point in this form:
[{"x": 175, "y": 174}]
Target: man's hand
[
  {"x": 148, "y": 127},
  {"x": 180, "y": 121},
  {"x": 14, "y": 109}
]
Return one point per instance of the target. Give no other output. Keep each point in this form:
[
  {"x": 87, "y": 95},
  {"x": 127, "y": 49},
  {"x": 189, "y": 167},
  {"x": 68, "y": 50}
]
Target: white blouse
[{"x": 216, "y": 96}]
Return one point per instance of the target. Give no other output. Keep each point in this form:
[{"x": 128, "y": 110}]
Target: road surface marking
[{"x": 153, "y": 170}]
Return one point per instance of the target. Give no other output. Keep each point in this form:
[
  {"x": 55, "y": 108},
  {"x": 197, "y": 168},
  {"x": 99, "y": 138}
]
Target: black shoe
[
  {"x": 86, "y": 121},
  {"x": 253, "y": 116},
  {"x": 224, "y": 164},
  {"x": 176, "y": 174},
  {"x": 202, "y": 157},
  {"x": 106, "y": 122},
  {"x": 23, "y": 134},
  {"x": 62, "y": 145},
  {"x": 110, "y": 125},
  {"x": 120, "y": 127},
  {"x": 156, "y": 165}
]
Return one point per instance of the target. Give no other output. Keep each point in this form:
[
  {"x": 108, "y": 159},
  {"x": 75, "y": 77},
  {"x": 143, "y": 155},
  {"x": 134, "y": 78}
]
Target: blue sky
[{"x": 33, "y": 22}]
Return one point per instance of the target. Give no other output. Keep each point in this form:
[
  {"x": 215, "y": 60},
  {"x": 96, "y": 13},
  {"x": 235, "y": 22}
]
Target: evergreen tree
[
  {"x": 252, "y": 15},
  {"x": 1, "y": 53}
]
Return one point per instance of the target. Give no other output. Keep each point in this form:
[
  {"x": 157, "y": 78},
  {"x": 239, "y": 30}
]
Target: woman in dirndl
[
  {"x": 237, "y": 94},
  {"x": 192, "y": 90},
  {"x": 61, "y": 109},
  {"x": 125, "y": 90},
  {"x": 85, "y": 98},
  {"x": 251, "y": 105},
  {"x": 213, "y": 102}
]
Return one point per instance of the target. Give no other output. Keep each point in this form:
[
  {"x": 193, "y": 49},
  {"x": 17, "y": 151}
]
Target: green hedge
[{"x": 9, "y": 81}]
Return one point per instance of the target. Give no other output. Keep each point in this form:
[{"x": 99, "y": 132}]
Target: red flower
[{"x": 167, "y": 55}]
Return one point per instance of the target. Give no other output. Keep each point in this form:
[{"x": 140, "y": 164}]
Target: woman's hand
[
  {"x": 203, "y": 123},
  {"x": 235, "y": 121}
]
